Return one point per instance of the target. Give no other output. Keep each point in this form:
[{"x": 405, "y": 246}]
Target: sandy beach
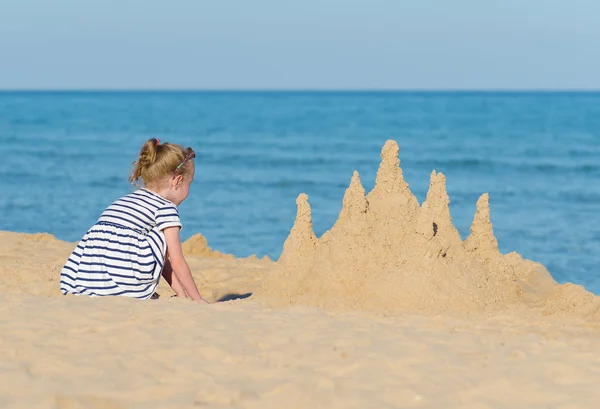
[{"x": 388, "y": 308}]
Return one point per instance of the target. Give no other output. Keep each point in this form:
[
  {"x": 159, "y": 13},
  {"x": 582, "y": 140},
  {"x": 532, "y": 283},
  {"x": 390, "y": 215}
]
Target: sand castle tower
[{"x": 299, "y": 247}]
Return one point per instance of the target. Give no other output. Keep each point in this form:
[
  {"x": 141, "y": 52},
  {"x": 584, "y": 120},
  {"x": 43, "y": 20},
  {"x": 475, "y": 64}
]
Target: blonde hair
[{"x": 158, "y": 161}]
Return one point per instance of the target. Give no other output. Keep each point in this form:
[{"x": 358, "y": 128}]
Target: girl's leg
[{"x": 172, "y": 279}]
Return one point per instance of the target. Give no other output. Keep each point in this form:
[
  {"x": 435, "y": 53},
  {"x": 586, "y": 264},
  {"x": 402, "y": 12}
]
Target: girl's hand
[{"x": 203, "y": 301}]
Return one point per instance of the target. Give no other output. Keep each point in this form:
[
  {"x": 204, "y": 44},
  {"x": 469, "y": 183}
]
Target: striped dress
[{"x": 124, "y": 252}]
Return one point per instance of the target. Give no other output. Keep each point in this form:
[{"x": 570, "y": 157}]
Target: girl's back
[{"x": 141, "y": 210}]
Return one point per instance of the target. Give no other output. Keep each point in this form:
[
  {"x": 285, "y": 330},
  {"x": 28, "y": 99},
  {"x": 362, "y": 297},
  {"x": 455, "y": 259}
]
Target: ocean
[{"x": 66, "y": 155}]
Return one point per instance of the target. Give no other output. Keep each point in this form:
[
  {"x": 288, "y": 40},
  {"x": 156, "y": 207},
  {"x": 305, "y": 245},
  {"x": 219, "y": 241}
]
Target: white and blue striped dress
[{"x": 124, "y": 252}]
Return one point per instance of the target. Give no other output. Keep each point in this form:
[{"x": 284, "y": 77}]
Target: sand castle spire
[
  {"x": 482, "y": 237},
  {"x": 300, "y": 244},
  {"x": 354, "y": 204},
  {"x": 435, "y": 210},
  {"x": 391, "y": 194}
]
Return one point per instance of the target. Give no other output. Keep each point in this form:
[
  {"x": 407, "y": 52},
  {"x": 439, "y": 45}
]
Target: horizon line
[{"x": 300, "y": 90}]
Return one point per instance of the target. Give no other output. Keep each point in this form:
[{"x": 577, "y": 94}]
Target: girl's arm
[
  {"x": 179, "y": 265},
  {"x": 172, "y": 279}
]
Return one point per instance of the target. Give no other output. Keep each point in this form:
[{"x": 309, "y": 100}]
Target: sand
[{"x": 389, "y": 308}]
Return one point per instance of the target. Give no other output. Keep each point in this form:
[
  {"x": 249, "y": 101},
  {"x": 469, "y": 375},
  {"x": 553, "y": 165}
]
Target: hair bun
[
  {"x": 146, "y": 159},
  {"x": 148, "y": 153}
]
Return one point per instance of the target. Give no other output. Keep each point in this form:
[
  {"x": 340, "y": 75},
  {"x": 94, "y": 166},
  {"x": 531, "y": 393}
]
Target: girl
[{"x": 136, "y": 239}]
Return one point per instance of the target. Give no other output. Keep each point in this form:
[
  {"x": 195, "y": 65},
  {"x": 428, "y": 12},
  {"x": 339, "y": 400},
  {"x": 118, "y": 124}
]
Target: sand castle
[{"x": 386, "y": 252}]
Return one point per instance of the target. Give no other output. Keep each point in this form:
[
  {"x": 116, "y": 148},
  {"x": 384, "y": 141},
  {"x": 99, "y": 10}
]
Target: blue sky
[{"x": 301, "y": 44}]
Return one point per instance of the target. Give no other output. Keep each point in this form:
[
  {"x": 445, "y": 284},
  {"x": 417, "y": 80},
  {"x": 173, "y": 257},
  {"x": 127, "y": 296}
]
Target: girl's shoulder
[{"x": 146, "y": 198}]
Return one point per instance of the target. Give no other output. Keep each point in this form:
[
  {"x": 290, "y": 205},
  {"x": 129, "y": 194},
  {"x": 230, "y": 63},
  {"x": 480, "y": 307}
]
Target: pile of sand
[
  {"x": 197, "y": 245},
  {"x": 388, "y": 253}
]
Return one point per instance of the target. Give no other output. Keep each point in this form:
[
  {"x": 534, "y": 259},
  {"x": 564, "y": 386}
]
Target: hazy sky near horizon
[{"x": 307, "y": 44}]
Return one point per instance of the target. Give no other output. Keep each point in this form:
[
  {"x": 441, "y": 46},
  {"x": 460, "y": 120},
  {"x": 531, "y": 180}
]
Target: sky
[{"x": 301, "y": 44}]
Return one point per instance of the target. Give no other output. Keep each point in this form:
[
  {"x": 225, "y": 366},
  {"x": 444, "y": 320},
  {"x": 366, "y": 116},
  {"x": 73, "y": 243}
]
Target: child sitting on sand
[{"x": 136, "y": 239}]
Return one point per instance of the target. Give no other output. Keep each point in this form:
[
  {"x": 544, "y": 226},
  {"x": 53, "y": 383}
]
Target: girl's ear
[{"x": 177, "y": 180}]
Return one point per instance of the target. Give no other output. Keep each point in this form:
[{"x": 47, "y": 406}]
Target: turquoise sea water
[{"x": 64, "y": 156}]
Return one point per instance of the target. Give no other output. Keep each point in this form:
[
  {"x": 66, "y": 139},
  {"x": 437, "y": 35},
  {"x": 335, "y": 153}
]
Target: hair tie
[{"x": 157, "y": 141}]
